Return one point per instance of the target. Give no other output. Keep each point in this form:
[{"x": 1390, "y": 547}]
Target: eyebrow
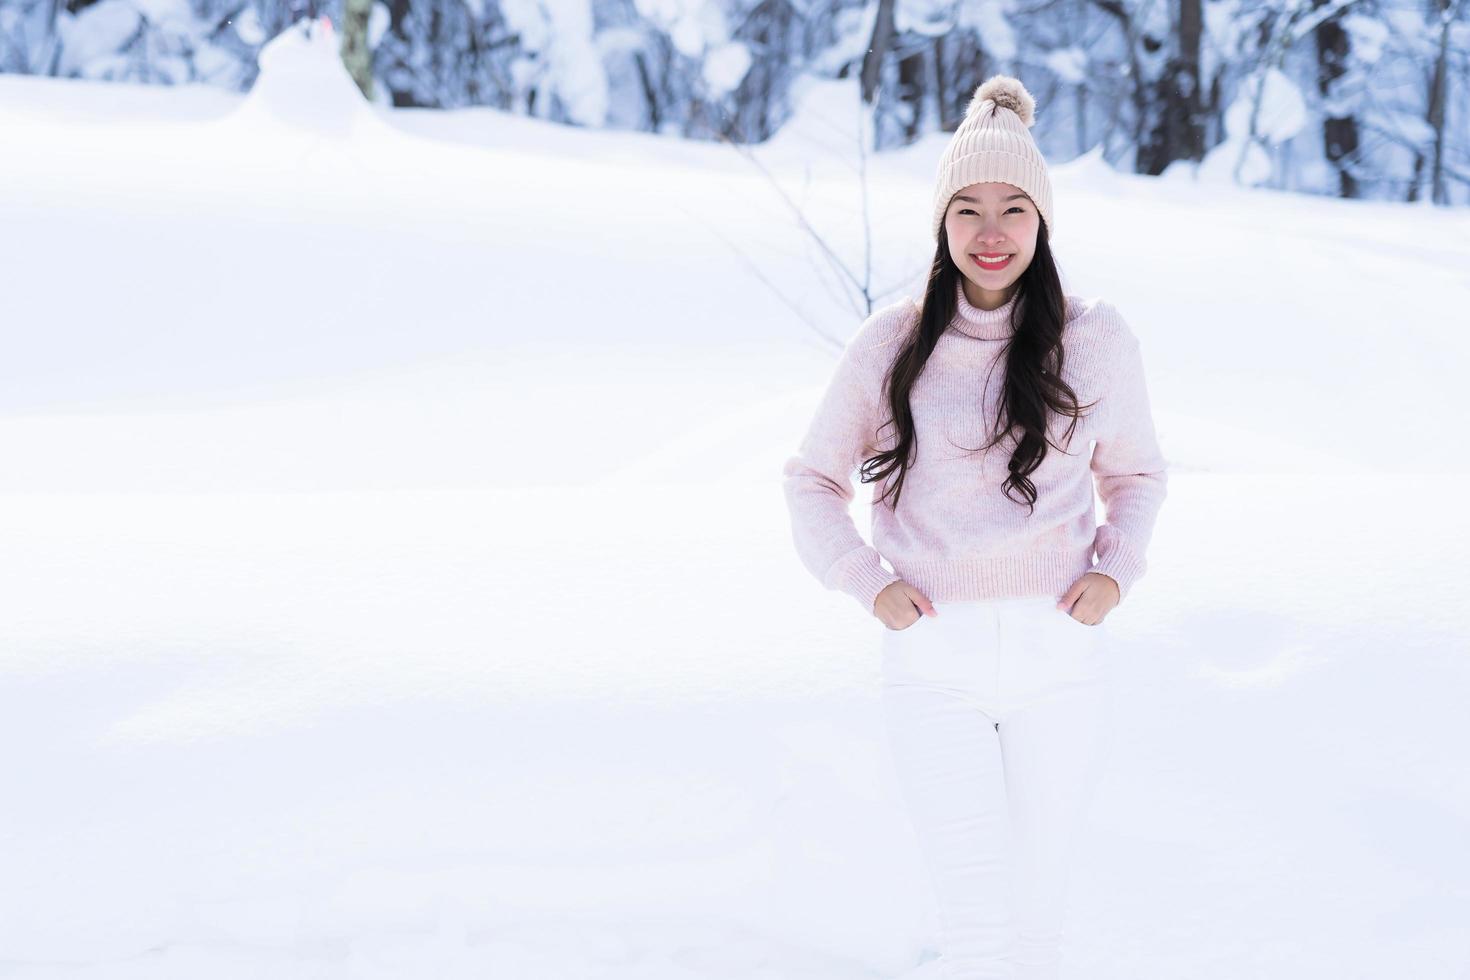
[{"x": 976, "y": 200}]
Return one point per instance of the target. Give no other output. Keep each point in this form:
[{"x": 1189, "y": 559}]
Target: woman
[{"x": 983, "y": 415}]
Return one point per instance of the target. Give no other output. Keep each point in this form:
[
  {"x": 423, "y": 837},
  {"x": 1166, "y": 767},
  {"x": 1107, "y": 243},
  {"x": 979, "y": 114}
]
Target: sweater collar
[{"x": 972, "y": 321}]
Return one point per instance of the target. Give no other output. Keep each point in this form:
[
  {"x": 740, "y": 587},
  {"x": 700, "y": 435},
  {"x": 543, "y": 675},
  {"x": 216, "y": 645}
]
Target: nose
[{"x": 990, "y": 235}]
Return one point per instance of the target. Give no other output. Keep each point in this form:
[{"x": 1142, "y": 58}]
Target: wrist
[{"x": 1116, "y": 584}]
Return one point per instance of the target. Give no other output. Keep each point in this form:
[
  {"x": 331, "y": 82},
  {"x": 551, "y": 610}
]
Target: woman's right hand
[{"x": 900, "y": 605}]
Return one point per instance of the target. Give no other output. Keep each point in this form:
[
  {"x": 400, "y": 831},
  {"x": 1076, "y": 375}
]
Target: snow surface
[{"x": 398, "y": 583}]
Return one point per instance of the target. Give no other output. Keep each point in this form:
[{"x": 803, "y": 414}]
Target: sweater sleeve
[
  {"x": 1130, "y": 471},
  {"x": 817, "y": 481}
]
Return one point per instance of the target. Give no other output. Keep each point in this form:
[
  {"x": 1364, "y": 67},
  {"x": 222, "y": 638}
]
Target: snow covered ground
[{"x": 397, "y": 582}]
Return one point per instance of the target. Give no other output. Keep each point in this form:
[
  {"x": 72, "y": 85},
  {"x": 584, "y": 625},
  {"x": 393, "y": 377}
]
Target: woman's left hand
[{"x": 1090, "y": 598}]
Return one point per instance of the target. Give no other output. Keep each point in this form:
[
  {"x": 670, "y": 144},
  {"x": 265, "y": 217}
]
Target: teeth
[{"x": 999, "y": 258}]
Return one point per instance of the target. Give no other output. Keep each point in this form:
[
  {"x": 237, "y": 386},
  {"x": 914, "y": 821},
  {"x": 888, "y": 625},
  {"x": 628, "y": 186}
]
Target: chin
[{"x": 995, "y": 283}]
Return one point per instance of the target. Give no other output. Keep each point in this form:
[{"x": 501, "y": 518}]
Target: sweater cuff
[
  {"x": 863, "y": 576},
  {"x": 1117, "y": 560}
]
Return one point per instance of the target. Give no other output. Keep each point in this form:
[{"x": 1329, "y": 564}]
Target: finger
[
  {"x": 1072, "y": 595},
  {"x": 922, "y": 603}
]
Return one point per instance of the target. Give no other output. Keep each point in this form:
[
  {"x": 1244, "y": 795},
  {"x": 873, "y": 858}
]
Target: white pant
[{"x": 995, "y": 706}]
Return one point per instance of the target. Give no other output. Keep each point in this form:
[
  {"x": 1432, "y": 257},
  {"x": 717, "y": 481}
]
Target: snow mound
[
  {"x": 303, "y": 84},
  {"x": 1088, "y": 171},
  {"x": 828, "y": 123}
]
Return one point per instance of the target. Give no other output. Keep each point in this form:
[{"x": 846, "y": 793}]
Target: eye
[{"x": 1014, "y": 207}]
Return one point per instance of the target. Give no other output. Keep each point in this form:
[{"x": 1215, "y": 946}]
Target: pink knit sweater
[{"x": 955, "y": 535}]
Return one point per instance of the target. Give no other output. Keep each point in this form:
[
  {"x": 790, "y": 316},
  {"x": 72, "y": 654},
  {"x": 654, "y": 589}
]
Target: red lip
[{"x": 991, "y": 267}]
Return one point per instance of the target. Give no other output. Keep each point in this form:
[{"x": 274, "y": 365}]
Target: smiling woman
[{"x": 1006, "y": 707}]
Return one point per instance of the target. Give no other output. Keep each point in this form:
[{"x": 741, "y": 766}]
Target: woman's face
[{"x": 991, "y": 221}]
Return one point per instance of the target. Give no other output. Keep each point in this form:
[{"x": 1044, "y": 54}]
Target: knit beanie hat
[{"x": 994, "y": 144}]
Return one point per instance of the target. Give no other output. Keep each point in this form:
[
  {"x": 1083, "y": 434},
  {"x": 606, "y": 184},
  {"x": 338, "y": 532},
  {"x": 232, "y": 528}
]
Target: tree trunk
[
  {"x": 650, "y": 94},
  {"x": 1438, "y": 87},
  {"x": 911, "y": 93},
  {"x": 1190, "y": 126},
  {"x": 878, "y": 46},
  {"x": 1176, "y": 133},
  {"x": 1339, "y": 132},
  {"x": 1138, "y": 87},
  {"x": 355, "y": 52}
]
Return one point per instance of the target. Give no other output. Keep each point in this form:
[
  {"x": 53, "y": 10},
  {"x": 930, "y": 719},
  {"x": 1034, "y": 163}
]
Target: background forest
[{"x": 1349, "y": 98}]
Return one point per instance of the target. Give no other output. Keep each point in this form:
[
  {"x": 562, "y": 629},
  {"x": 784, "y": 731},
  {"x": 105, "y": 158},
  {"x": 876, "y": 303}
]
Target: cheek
[{"x": 1028, "y": 246}]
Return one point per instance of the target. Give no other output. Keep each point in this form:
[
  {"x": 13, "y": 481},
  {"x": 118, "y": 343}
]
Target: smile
[{"x": 992, "y": 263}]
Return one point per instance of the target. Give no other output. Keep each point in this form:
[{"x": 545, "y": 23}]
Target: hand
[
  {"x": 900, "y": 605},
  {"x": 1095, "y": 595}
]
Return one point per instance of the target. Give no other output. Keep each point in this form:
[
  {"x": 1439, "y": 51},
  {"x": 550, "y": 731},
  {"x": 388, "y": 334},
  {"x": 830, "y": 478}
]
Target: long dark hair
[{"x": 1033, "y": 371}]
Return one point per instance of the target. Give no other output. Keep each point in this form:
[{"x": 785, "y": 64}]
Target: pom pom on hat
[{"x": 1006, "y": 92}]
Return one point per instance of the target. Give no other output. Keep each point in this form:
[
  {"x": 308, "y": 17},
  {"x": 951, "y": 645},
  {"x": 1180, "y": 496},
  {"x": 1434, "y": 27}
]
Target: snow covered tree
[{"x": 1357, "y": 98}]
